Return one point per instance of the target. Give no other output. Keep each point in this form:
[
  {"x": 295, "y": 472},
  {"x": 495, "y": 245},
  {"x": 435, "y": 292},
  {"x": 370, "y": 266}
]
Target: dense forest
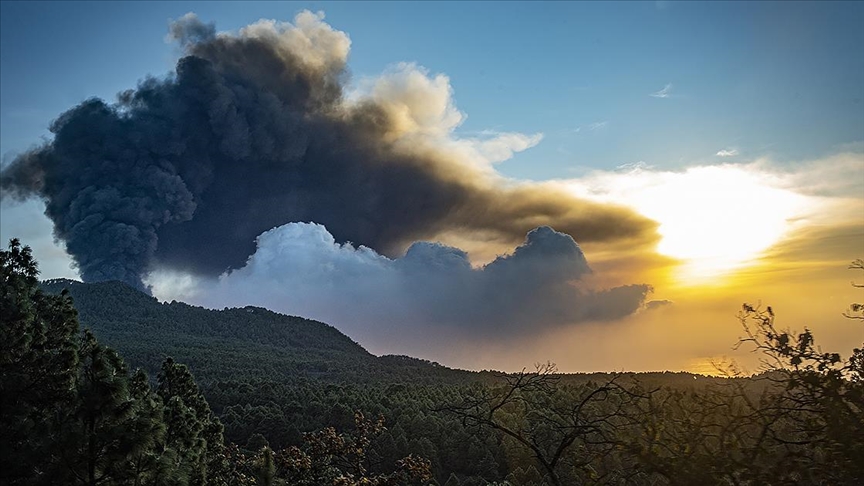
[{"x": 101, "y": 384}]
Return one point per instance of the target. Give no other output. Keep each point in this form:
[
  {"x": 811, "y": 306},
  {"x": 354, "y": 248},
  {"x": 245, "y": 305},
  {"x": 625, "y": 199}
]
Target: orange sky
[{"x": 792, "y": 234}]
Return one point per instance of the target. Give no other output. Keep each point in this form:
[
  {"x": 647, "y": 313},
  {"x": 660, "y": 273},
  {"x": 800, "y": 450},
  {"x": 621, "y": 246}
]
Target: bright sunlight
[{"x": 715, "y": 219}]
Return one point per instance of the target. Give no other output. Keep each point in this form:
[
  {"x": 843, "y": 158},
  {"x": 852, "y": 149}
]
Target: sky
[{"x": 482, "y": 184}]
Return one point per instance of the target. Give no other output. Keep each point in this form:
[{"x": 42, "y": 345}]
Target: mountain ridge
[
  {"x": 255, "y": 343},
  {"x": 247, "y": 342}
]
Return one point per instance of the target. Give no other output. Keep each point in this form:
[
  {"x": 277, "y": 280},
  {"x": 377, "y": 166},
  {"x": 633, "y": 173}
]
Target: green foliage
[
  {"x": 568, "y": 431},
  {"x": 242, "y": 344},
  {"x": 74, "y": 415},
  {"x": 70, "y": 409},
  {"x": 799, "y": 422},
  {"x": 818, "y": 394},
  {"x": 107, "y": 427},
  {"x": 193, "y": 432},
  {"x": 38, "y": 359},
  {"x": 288, "y": 388},
  {"x": 328, "y": 457}
]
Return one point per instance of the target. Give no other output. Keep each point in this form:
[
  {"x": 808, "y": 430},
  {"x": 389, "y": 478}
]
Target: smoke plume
[{"x": 254, "y": 130}]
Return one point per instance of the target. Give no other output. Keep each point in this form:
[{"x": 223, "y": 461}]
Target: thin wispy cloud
[
  {"x": 598, "y": 125},
  {"x": 634, "y": 166},
  {"x": 663, "y": 93},
  {"x": 727, "y": 153}
]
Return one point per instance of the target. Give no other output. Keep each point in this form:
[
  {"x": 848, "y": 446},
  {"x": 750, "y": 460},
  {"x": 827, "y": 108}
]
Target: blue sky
[{"x": 784, "y": 80}]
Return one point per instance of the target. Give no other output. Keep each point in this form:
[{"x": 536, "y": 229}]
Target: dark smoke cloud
[
  {"x": 189, "y": 30},
  {"x": 252, "y": 131},
  {"x": 400, "y": 304},
  {"x": 657, "y": 304}
]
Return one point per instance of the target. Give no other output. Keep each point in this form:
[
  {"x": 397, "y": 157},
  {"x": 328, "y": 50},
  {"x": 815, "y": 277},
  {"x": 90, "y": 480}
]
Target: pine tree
[
  {"x": 265, "y": 468},
  {"x": 37, "y": 368},
  {"x": 154, "y": 465},
  {"x": 193, "y": 431},
  {"x": 71, "y": 414},
  {"x": 112, "y": 424}
]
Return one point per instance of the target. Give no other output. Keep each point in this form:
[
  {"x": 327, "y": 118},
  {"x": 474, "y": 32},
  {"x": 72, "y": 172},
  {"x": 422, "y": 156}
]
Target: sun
[
  {"x": 718, "y": 218},
  {"x": 713, "y": 219}
]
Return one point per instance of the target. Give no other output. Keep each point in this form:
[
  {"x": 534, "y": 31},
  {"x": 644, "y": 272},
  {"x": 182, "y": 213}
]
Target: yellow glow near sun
[{"x": 715, "y": 219}]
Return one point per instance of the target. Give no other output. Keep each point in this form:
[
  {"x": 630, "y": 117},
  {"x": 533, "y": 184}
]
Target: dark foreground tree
[
  {"x": 342, "y": 459},
  {"x": 38, "y": 362},
  {"x": 800, "y": 421},
  {"x": 817, "y": 395},
  {"x": 71, "y": 414},
  {"x": 327, "y": 457},
  {"x": 856, "y": 309},
  {"x": 569, "y": 430},
  {"x": 194, "y": 436},
  {"x": 108, "y": 425},
  {"x": 818, "y": 392}
]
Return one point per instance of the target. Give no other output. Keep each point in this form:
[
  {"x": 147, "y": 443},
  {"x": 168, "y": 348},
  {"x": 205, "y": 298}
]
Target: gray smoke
[{"x": 253, "y": 131}]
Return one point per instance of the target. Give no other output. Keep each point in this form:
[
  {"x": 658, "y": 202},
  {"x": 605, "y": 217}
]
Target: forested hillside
[
  {"x": 231, "y": 344},
  {"x": 253, "y": 343},
  {"x": 278, "y": 400}
]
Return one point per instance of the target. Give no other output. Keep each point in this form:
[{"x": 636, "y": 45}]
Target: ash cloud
[
  {"x": 254, "y": 130},
  {"x": 657, "y": 304},
  {"x": 402, "y": 303}
]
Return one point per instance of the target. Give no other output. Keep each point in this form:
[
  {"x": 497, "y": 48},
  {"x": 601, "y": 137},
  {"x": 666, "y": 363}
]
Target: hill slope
[
  {"x": 255, "y": 344},
  {"x": 230, "y": 344}
]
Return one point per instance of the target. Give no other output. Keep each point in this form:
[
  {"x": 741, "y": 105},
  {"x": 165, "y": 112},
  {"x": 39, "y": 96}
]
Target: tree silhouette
[
  {"x": 341, "y": 459},
  {"x": 107, "y": 426},
  {"x": 562, "y": 428},
  {"x": 194, "y": 433},
  {"x": 821, "y": 393},
  {"x": 856, "y": 309},
  {"x": 38, "y": 360}
]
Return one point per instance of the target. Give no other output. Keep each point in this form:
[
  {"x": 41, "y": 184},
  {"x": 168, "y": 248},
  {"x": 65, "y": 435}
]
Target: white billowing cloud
[
  {"x": 663, "y": 93},
  {"x": 727, "y": 153},
  {"x": 396, "y": 304}
]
